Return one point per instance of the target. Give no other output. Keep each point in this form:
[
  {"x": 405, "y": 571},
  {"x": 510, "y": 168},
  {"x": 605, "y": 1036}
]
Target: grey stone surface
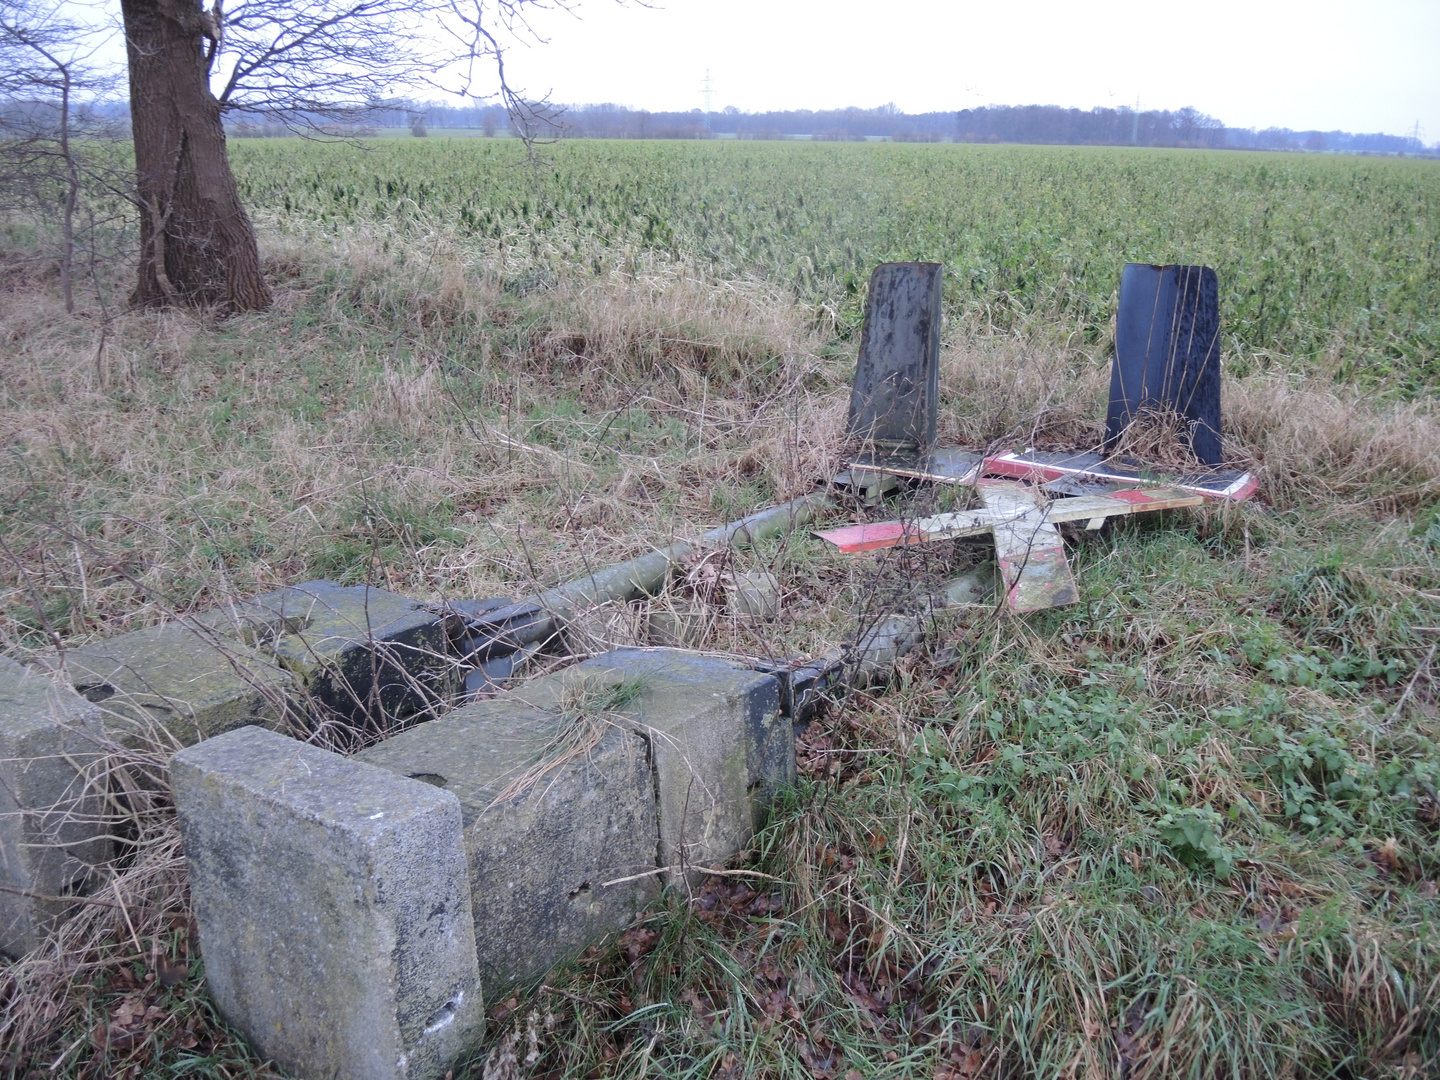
[
  {"x": 678, "y": 623},
  {"x": 333, "y": 907},
  {"x": 51, "y": 836},
  {"x": 718, "y": 743},
  {"x": 365, "y": 654},
  {"x": 546, "y": 862},
  {"x": 193, "y": 683},
  {"x": 756, "y": 595},
  {"x": 896, "y": 391}
]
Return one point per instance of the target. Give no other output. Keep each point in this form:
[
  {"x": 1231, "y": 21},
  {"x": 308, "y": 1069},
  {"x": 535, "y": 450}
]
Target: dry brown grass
[
  {"x": 1310, "y": 441},
  {"x": 183, "y": 428},
  {"x": 374, "y": 393}
]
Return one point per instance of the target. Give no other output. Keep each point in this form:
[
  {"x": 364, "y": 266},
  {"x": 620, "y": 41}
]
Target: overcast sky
[{"x": 1327, "y": 64}]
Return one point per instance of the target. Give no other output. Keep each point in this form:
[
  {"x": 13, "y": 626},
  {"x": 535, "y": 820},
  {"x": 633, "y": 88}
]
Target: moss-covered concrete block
[
  {"x": 719, "y": 746},
  {"x": 333, "y": 905},
  {"x": 190, "y": 681},
  {"x": 560, "y": 825},
  {"x": 52, "y": 836},
  {"x": 365, "y": 655}
]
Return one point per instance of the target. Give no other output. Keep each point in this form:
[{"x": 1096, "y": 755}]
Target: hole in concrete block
[
  {"x": 78, "y": 886},
  {"x": 429, "y": 778},
  {"x": 582, "y": 891},
  {"x": 443, "y": 1017},
  {"x": 96, "y": 691}
]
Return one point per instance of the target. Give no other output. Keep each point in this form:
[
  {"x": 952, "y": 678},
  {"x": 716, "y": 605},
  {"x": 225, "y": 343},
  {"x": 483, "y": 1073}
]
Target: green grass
[{"x": 1121, "y": 845}]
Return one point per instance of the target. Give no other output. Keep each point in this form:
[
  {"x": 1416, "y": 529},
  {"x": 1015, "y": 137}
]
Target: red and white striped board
[
  {"x": 1027, "y": 543},
  {"x": 1038, "y": 467}
]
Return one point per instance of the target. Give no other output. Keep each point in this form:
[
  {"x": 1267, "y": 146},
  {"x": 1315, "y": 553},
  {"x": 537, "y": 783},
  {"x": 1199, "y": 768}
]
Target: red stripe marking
[
  {"x": 869, "y": 537},
  {"x": 1023, "y": 470},
  {"x": 1034, "y": 471},
  {"x": 1133, "y": 496},
  {"x": 1252, "y": 485}
]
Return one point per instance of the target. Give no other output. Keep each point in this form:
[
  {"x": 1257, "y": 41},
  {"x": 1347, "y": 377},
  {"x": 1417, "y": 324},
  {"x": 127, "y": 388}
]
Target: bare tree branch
[{"x": 45, "y": 60}]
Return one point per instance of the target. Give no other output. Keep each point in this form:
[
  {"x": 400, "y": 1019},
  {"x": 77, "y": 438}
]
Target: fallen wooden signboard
[
  {"x": 1165, "y": 359},
  {"x": 1028, "y": 546}
]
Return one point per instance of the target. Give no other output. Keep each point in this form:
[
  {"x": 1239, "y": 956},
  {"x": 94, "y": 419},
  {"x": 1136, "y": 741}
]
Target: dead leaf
[
  {"x": 502, "y": 1064},
  {"x": 1387, "y": 856},
  {"x": 637, "y": 941},
  {"x": 961, "y": 1069},
  {"x": 172, "y": 972},
  {"x": 499, "y": 1012},
  {"x": 128, "y": 1013},
  {"x": 821, "y": 1060}
]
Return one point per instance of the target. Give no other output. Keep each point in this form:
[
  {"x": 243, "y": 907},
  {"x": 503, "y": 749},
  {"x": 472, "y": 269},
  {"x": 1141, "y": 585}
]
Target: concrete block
[
  {"x": 51, "y": 823},
  {"x": 553, "y": 866},
  {"x": 718, "y": 743},
  {"x": 365, "y": 655},
  {"x": 191, "y": 682},
  {"x": 679, "y": 623},
  {"x": 755, "y": 595},
  {"x": 333, "y": 907}
]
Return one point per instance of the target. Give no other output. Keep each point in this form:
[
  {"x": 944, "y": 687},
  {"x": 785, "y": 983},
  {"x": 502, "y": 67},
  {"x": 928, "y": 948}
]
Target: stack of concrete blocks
[
  {"x": 356, "y": 912},
  {"x": 290, "y": 661}
]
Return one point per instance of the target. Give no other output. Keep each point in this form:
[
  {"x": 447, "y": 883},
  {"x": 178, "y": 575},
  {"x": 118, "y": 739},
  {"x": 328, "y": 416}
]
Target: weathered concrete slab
[
  {"x": 333, "y": 906},
  {"x": 568, "y": 840},
  {"x": 364, "y": 654},
  {"x": 719, "y": 745},
  {"x": 51, "y": 832},
  {"x": 896, "y": 391},
  {"x": 193, "y": 683},
  {"x": 555, "y": 865}
]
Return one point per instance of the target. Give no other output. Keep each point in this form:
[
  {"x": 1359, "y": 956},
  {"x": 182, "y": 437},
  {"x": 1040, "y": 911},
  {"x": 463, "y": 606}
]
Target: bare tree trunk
[{"x": 197, "y": 244}]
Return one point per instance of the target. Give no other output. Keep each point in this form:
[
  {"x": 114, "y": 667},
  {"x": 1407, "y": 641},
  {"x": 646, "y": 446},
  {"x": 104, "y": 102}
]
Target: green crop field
[
  {"x": 1328, "y": 261},
  {"x": 1186, "y": 827}
]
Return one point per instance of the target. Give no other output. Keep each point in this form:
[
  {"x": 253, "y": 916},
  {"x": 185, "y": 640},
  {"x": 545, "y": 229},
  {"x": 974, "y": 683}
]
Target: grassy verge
[{"x": 1188, "y": 826}]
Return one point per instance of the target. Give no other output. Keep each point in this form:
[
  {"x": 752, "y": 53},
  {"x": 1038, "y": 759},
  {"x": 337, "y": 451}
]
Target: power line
[{"x": 705, "y": 92}]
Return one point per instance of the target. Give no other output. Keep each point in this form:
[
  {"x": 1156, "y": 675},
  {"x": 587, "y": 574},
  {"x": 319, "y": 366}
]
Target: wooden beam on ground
[{"x": 1028, "y": 548}]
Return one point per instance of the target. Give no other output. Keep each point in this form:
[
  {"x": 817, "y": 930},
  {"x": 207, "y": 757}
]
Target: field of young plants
[{"x": 1331, "y": 261}]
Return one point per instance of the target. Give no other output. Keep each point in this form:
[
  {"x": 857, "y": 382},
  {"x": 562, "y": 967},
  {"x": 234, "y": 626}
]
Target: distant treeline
[
  {"x": 1043, "y": 124},
  {"x": 994, "y": 123}
]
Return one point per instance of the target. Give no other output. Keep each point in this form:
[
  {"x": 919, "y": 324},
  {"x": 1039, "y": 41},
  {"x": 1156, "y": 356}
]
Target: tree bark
[{"x": 197, "y": 246}]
